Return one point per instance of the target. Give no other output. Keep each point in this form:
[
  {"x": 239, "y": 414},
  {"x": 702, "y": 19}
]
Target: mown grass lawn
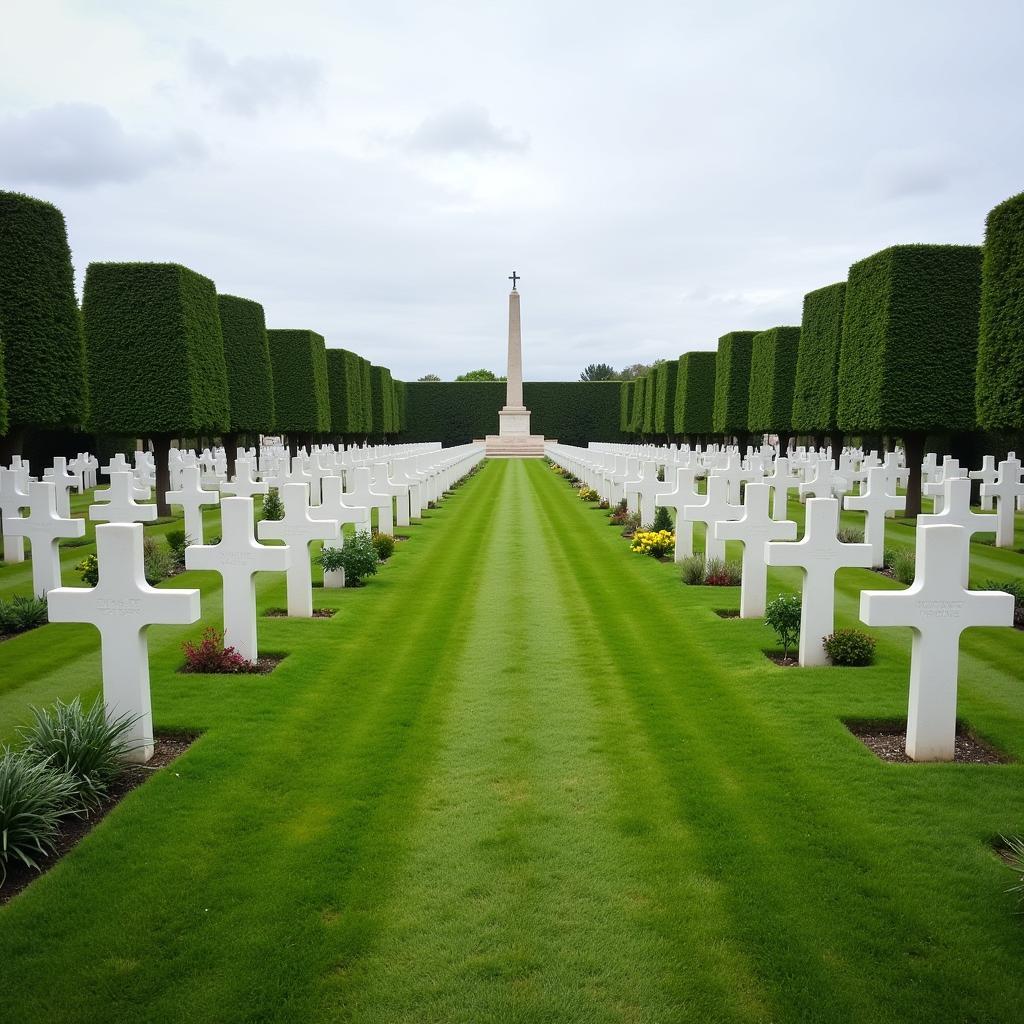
[{"x": 525, "y": 776}]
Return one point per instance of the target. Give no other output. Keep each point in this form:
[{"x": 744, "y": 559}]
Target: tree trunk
[
  {"x": 835, "y": 439},
  {"x": 913, "y": 448},
  {"x": 11, "y": 444},
  {"x": 161, "y": 457},
  {"x": 230, "y": 442}
]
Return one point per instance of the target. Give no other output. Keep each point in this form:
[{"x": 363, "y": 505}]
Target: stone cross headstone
[
  {"x": 13, "y": 498},
  {"x": 781, "y": 482},
  {"x": 121, "y": 606},
  {"x": 988, "y": 474},
  {"x": 956, "y": 510},
  {"x": 63, "y": 480},
  {"x": 334, "y": 507},
  {"x": 753, "y": 530},
  {"x": 820, "y": 485},
  {"x": 820, "y": 554},
  {"x": 361, "y": 493},
  {"x": 245, "y": 485},
  {"x": 938, "y": 608},
  {"x": 119, "y": 504},
  {"x": 382, "y": 484},
  {"x": 238, "y": 557},
  {"x": 684, "y": 494},
  {"x": 192, "y": 498},
  {"x": 715, "y": 508},
  {"x": 298, "y": 529},
  {"x": 1006, "y": 490},
  {"x": 875, "y": 502},
  {"x": 44, "y": 528},
  {"x": 647, "y": 488}
]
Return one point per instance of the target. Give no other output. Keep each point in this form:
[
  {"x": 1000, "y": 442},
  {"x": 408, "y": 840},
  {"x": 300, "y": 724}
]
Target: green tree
[
  {"x": 599, "y": 371},
  {"x": 428, "y": 376},
  {"x": 479, "y": 375}
]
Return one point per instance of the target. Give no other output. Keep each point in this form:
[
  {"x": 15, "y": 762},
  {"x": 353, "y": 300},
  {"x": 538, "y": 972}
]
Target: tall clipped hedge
[
  {"x": 636, "y": 423},
  {"x": 383, "y": 401},
  {"x": 43, "y": 352},
  {"x": 401, "y": 405},
  {"x": 345, "y": 387},
  {"x": 301, "y": 393},
  {"x": 695, "y": 393},
  {"x": 247, "y": 358},
  {"x": 454, "y": 412},
  {"x": 1000, "y": 383},
  {"x": 732, "y": 383},
  {"x": 772, "y": 375},
  {"x": 626, "y": 393},
  {"x": 650, "y": 393},
  {"x": 665, "y": 396},
  {"x": 816, "y": 391},
  {"x": 367, "y": 378},
  {"x": 910, "y": 346},
  {"x": 155, "y": 356}
]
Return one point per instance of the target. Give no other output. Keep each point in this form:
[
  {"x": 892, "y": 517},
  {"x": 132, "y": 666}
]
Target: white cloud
[{"x": 464, "y": 129}]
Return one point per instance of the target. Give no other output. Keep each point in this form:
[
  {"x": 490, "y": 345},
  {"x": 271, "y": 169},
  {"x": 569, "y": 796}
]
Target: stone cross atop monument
[{"x": 514, "y": 439}]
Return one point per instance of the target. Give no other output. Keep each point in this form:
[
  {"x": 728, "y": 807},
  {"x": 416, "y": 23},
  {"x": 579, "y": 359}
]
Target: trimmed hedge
[
  {"x": 695, "y": 393},
  {"x": 1000, "y": 384},
  {"x": 154, "y": 350},
  {"x": 301, "y": 394},
  {"x": 626, "y": 393},
  {"x": 455, "y": 412},
  {"x": 772, "y": 375},
  {"x": 910, "y": 340},
  {"x": 401, "y": 405},
  {"x": 665, "y": 397},
  {"x": 650, "y": 393},
  {"x": 383, "y": 401},
  {"x": 345, "y": 387},
  {"x": 732, "y": 382},
  {"x": 816, "y": 391},
  {"x": 43, "y": 353},
  {"x": 247, "y": 357},
  {"x": 366, "y": 377},
  {"x": 636, "y": 422}
]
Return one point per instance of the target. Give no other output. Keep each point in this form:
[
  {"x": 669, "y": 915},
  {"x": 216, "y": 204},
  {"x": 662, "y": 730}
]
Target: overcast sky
[{"x": 658, "y": 173}]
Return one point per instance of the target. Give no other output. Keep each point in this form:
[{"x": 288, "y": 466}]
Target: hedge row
[
  {"x": 772, "y": 375},
  {"x": 247, "y": 356},
  {"x": 695, "y": 393},
  {"x": 732, "y": 382},
  {"x": 454, "y": 412},
  {"x": 816, "y": 392}
]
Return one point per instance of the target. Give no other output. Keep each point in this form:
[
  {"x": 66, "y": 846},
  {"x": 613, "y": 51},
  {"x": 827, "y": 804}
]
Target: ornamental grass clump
[
  {"x": 692, "y": 569},
  {"x": 901, "y": 565},
  {"x": 850, "y": 647},
  {"x": 1015, "y": 862},
  {"x": 720, "y": 573},
  {"x": 35, "y": 798},
  {"x": 1013, "y": 587},
  {"x": 783, "y": 615},
  {"x": 21, "y": 614},
  {"x": 656, "y": 544},
  {"x": 82, "y": 743}
]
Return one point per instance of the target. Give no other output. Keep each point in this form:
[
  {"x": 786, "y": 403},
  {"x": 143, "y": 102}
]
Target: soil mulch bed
[
  {"x": 318, "y": 613},
  {"x": 265, "y": 664},
  {"x": 778, "y": 658},
  {"x": 168, "y": 747},
  {"x": 727, "y": 613},
  {"x": 888, "y": 743}
]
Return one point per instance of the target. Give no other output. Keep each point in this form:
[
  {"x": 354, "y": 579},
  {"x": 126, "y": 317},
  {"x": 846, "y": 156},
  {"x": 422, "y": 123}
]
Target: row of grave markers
[
  {"x": 123, "y": 605},
  {"x": 938, "y": 606}
]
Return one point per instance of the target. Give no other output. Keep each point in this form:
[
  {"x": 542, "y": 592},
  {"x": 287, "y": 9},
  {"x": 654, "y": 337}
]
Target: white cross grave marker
[
  {"x": 238, "y": 557},
  {"x": 191, "y": 497},
  {"x": 988, "y": 474},
  {"x": 1005, "y": 490},
  {"x": 753, "y": 530},
  {"x": 782, "y": 481},
  {"x": 875, "y": 501},
  {"x": 12, "y": 500},
  {"x": 334, "y": 508},
  {"x": 44, "y": 529},
  {"x": 820, "y": 554},
  {"x": 938, "y": 608},
  {"x": 685, "y": 494},
  {"x": 121, "y": 606},
  {"x": 715, "y": 508},
  {"x": 119, "y": 504},
  {"x": 362, "y": 493},
  {"x": 245, "y": 485},
  {"x": 298, "y": 529}
]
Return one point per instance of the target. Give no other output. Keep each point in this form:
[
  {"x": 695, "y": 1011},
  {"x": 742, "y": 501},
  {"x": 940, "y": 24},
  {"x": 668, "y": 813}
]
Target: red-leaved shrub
[{"x": 210, "y": 655}]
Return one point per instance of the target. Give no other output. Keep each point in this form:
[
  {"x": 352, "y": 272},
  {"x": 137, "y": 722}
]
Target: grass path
[{"x": 524, "y": 776}]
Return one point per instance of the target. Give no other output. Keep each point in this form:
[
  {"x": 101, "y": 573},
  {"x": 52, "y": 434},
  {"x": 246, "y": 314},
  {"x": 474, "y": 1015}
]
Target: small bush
[
  {"x": 384, "y": 545},
  {"x": 210, "y": 655},
  {"x": 1012, "y": 587},
  {"x": 358, "y": 558},
  {"x": 719, "y": 573},
  {"x": 630, "y": 524},
  {"x": 1015, "y": 861},
  {"x": 34, "y": 799},
  {"x": 21, "y": 614},
  {"x": 588, "y": 494},
  {"x": 662, "y": 519},
  {"x": 693, "y": 570},
  {"x": 902, "y": 565},
  {"x": 783, "y": 615},
  {"x": 655, "y": 544},
  {"x": 81, "y": 743},
  {"x": 273, "y": 507},
  {"x": 849, "y": 647},
  {"x": 850, "y": 535},
  {"x": 619, "y": 515},
  {"x": 604, "y": 504},
  {"x": 89, "y": 569},
  {"x": 157, "y": 560},
  {"x": 177, "y": 542}
]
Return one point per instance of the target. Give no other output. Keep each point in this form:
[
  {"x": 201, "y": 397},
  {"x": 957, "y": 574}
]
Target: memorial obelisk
[{"x": 514, "y": 439}]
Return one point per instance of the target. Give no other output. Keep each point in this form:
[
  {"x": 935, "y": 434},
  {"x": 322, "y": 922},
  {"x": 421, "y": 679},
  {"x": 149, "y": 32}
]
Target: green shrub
[
  {"x": 81, "y": 743},
  {"x": 695, "y": 393},
  {"x": 692, "y": 569},
  {"x": 89, "y": 569},
  {"x": 732, "y": 382},
  {"x": 662, "y": 520},
  {"x": 850, "y": 535},
  {"x": 902, "y": 565},
  {"x": 42, "y": 355},
  {"x": 772, "y": 375},
  {"x": 177, "y": 542},
  {"x": 816, "y": 388},
  {"x": 1000, "y": 383},
  {"x": 35, "y": 799},
  {"x": 384, "y": 545},
  {"x": 298, "y": 361},
  {"x": 720, "y": 573},
  {"x": 783, "y": 615},
  {"x": 247, "y": 358},
  {"x": 357, "y": 557},
  {"x": 588, "y": 494},
  {"x": 849, "y": 647},
  {"x": 1013, "y": 587},
  {"x": 630, "y": 524},
  {"x": 20, "y": 614},
  {"x": 273, "y": 507},
  {"x": 157, "y": 560}
]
